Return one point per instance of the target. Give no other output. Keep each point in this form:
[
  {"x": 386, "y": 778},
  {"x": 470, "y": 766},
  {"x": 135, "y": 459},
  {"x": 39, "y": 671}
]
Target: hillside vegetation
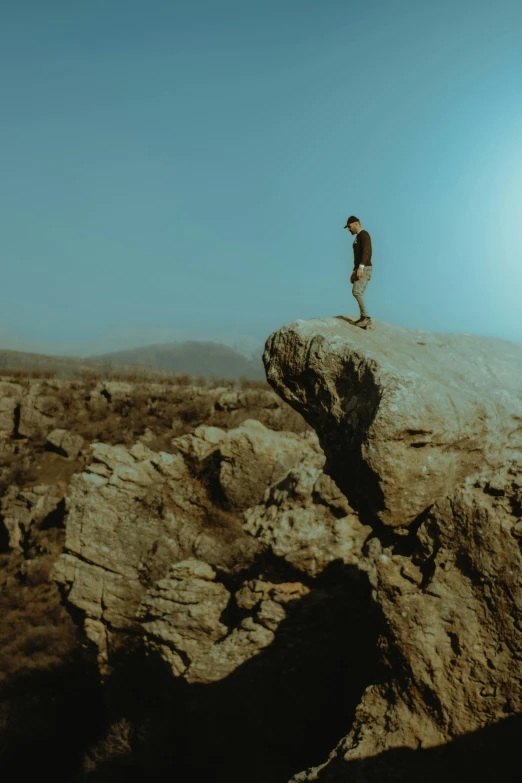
[{"x": 47, "y": 425}]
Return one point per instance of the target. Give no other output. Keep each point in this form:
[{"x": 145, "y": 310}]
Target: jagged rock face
[
  {"x": 131, "y": 515},
  {"x": 253, "y": 457},
  {"x": 446, "y": 566},
  {"x": 142, "y": 558},
  {"x": 23, "y": 510},
  {"x": 451, "y": 598},
  {"x": 308, "y": 522},
  {"x": 403, "y": 416}
]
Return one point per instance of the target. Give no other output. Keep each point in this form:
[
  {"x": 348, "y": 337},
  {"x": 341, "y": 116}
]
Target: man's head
[{"x": 353, "y": 224}]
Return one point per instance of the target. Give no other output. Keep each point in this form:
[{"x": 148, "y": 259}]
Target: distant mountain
[
  {"x": 206, "y": 359},
  {"x": 63, "y": 366}
]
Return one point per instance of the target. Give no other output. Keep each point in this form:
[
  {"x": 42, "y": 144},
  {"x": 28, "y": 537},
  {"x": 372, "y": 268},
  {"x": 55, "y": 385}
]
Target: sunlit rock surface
[{"x": 423, "y": 432}]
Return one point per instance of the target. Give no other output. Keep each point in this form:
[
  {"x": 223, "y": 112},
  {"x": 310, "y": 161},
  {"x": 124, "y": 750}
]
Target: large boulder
[
  {"x": 246, "y": 460},
  {"x": 254, "y": 457},
  {"x": 404, "y": 416}
]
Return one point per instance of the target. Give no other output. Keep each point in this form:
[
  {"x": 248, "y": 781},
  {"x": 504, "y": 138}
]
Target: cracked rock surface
[{"x": 403, "y": 416}]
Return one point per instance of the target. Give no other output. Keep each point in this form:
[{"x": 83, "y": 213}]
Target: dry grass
[
  {"x": 36, "y": 633},
  {"x": 247, "y": 383},
  {"x": 88, "y": 376},
  {"x": 144, "y": 375},
  {"x": 280, "y": 419},
  {"x": 18, "y": 374},
  {"x": 16, "y": 468}
]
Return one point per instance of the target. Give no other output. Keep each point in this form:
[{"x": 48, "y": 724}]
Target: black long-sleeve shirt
[{"x": 362, "y": 249}]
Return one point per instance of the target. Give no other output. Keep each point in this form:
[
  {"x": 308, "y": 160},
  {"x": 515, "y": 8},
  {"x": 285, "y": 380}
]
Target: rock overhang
[{"x": 403, "y": 415}]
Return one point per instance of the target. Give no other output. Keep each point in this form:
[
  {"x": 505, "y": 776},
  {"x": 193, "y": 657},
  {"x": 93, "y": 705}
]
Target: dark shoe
[{"x": 364, "y": 323}]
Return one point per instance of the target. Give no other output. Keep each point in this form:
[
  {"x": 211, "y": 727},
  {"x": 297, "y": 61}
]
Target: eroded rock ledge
[
  {"x": 423, "y": 432},
  {"x": 404, "y": 416}
]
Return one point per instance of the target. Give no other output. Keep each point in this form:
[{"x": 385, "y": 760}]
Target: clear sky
[{"x": 177, "y": 169}]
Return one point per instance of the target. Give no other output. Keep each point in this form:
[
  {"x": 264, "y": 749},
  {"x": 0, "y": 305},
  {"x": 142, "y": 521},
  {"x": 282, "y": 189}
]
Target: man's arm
[
  {"x": 365, "y": 243},
  {"x": 366, "y": 248}
]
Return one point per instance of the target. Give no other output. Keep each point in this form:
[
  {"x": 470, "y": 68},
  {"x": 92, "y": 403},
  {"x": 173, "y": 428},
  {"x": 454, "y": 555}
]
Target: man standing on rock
[{"x": 362, "y": 267}]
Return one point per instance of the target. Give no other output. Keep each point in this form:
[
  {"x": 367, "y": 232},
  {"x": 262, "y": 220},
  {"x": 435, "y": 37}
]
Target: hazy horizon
[{"x": 177, "y": 171}]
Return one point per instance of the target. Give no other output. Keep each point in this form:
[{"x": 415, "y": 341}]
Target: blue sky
[{"x": 183, "y": 170}]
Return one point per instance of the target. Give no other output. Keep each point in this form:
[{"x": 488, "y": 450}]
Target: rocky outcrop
[
  {"x": 404, "y": 416},
  {"x": 305, "y": 520},
  {"x": 65, "y": 442},
  {"x": 24, "y": 510},
  {"x": 181, "y": 616},
  {"x": 40, "y": 409},
  {"x": 147, "y": 553},
  {"x": 248, "y": 458},
  {"x": 423, "y": 432},
  {"x": 10, "y": 396},
  {"x": 253, "y": 458},
  {"x": 131, "y": 515}
]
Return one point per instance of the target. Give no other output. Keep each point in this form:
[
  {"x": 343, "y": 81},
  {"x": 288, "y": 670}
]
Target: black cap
[{"x": 351, "y": 219}]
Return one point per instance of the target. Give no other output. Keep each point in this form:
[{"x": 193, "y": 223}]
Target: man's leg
[{"x": 358, "y": 289}]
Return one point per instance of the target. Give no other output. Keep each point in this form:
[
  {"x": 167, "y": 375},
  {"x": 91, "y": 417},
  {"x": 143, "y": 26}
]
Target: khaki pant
[{"x": 359, "y": 287}]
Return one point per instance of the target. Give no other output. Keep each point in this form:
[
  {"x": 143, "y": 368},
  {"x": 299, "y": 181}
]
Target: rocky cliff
[{"x": 423, "y": 433}]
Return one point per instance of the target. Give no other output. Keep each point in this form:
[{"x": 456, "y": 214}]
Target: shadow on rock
[
  {"x": 491, "y": 755},
  {"x": 46, "y": 721},
  {"x": 278, "y": 713}
]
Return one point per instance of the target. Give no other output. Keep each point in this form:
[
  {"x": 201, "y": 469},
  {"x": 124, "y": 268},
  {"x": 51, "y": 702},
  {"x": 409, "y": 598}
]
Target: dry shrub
[
  {"x": 161, "y": 441},
  {"x": 15, "y": 470},
  {"x": 116, "y": 744},
  {"x": 20, "y": 373},
  {"x": 15, "y": 374},
  {"x": 88, "y": 376},
  {"x": 184, "y": 379},
  {"x": 36, "y": 633},
  {"x": 195, "y": 411},
  {"x": 249, "y": 383},
  {"x": 139, "y": 375},
  {"x": 223, "y": 383},
  {"x": 125, "y": 377},
  {"x": 179, "y": 427},
  {"x": 226, "y": 522},
  {"x": 290, "y": 420}
]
